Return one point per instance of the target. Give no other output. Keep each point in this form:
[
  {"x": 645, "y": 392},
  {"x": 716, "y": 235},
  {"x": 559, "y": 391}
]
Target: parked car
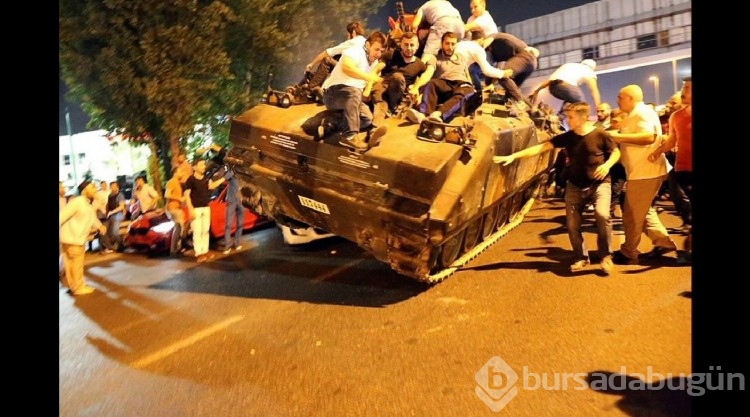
[
  {"x": 303, "y": 236},
  {"x": 152, "y": 232}
]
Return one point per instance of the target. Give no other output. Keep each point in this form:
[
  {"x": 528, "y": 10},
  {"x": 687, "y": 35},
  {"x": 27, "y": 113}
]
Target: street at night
[{"x": 327, "y": 330}]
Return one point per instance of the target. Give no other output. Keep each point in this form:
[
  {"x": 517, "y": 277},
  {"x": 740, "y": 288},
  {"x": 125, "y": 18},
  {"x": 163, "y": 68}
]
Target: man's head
[
  {"x": 114, "y": 187},
  {"x": 448, "y": 43},
  {"x": 687, "y": 91},
  {"x": 200, "y": 166},
  {"x": 180, "y": 173},
  {"x": 603, "y": 111},
  {"x": 674, "y": 102},
  {"x": 87, "y": 189},
  {"x": 375, "y": 45},
  {"x": 409, "y": 44},
  {"x": 577, "y": 114},
  {"x": 354, "y": 29},
  {"x": 104, "y": 186},
  {"x": 615, "y": 120},
  {"x": 589, "y": 63},
  {"x": 478, "y": 7},
  {"x": 629, "y": 96},
  {"x": 140, "y": 180}
]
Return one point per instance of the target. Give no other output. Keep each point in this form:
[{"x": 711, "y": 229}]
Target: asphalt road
[{"x": 326, "y": 330}]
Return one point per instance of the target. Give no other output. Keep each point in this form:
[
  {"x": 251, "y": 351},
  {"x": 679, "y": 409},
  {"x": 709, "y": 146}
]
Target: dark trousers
[
  {"x": 452, "y": 95},
  {"x": 357, "y": 115}
]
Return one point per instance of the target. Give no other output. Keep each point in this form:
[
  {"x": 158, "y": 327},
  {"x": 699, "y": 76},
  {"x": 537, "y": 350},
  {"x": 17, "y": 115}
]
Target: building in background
[
  {"x": 644, "y": 42},
  {"x": 95, "y": 155}
]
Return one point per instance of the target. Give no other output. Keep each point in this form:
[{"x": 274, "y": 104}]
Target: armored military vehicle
[{"x": 425, "y": 200}]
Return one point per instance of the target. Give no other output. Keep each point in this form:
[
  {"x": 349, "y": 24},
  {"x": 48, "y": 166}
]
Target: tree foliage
[{"x": 153, "y": 70}]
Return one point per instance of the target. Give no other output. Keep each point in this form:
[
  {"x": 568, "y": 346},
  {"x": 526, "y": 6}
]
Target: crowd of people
[
  {"x": 634, "y": 172},
  {"x": 186, "y": 203},
  {"x": 430, "y": 70},
  {"x": 617, "y": 165}
]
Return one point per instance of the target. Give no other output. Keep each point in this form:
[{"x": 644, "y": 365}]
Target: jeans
[
  {"x": 349, "y": 99},
  {"x": 238, "y": 210},
  {"x": 179, "y": 231},
  {"x": 576, "y": 199},
  {"x": 112, "y": 240},
  {"x": 568, "y": 93}
]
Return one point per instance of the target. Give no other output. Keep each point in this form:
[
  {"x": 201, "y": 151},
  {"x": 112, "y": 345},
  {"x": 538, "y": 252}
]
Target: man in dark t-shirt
[
  {"x": 399, "y": 69},
  {"x": 197, "y": 190},
  {"x": 592, "y": 152}
]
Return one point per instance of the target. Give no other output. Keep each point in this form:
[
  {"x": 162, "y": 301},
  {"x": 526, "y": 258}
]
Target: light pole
[
  {"x": 655, "y": 79},
  {"x": 72, "y": 151}
]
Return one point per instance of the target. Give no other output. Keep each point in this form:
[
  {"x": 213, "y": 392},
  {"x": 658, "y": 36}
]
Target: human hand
[
  {"x": 654, "y": 156},
  {"x": 103, "y": 230},
  {"x": 508, "y": 73},
  {"x": 601, "y": 172},
  {"x": 505, "y": 160}
]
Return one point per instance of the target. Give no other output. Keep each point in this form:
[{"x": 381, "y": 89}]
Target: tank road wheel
[
  {"x": 516, "y": 205},
  {"x": 503, "y": 214},
  {"x": 532, "y": 191},
  {"x": 450, "y": 250},
  {"x": 471, "y": 235},
  {"x": 490, "y": 221}
]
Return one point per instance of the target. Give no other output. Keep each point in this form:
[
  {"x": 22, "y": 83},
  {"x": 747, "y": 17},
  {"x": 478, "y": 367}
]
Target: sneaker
[
  {"x": 226, "y": 251},
  {"x": 238, "y": 247},
  {"x": 107, "y": 251},
  {"x": 606, "y": 264},
  {"x": 326, "y": 128},
  {"x": 202, "y": 258},
  {"x": 376, "y": 134},
  {"x": 619, "y": 258},
  {"x": 436, "y": 116},
  {"x": 354, "y": 142},
  {"x": 579, "y": 264},
  {"x": 317, "y": 94},
  {"x": 414, "y": 116},
  {"x": 685, "y": 258},
  {"x": 83, "y": 290},
  {"x": 658, "y": 251}
]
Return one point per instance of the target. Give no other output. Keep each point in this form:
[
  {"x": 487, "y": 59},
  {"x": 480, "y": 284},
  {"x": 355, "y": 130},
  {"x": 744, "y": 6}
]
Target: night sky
[{"x": 503, "y": 11}]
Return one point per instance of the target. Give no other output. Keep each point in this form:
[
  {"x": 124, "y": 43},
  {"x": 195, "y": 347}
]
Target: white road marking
[
  {"x": 336, "y": 271},
  {"x": 181, "y": 344}
]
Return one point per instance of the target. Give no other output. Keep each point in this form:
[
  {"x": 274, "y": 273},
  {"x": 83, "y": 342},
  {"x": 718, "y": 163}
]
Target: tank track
[{"x": 481, "y": 246}]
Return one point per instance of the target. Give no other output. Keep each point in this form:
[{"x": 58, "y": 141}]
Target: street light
[{"x": 655, "y": 79}]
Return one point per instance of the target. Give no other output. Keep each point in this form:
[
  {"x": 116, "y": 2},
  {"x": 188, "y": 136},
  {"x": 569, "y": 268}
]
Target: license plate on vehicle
[{"x": 315, "y": 205}]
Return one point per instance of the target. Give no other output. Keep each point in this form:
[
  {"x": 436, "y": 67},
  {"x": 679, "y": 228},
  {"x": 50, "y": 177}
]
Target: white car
[{"x": 303, "y": 235}]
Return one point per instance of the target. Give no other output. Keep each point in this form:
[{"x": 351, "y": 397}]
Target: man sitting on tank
[
  {"x": 399, "y": 69},
  {"x": 343, "y": 91},
  {"x": 445, "y": 81}
]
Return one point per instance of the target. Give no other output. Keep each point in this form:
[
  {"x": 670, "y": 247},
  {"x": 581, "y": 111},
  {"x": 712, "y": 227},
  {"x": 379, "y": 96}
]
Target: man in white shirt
[
  {"x": 77, "y": 219},
  {"x": 343, "y": 91},
  {"x": 442, "y": 17},
  {"x": 145, "y": 194},
  {"x": 637, "y": 138},
  {"x": 564, "y": 83},
  {"x": 480, "y": 21}
]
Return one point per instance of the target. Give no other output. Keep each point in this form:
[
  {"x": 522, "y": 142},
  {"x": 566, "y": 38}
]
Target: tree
[{"x": 152, "y": 71}]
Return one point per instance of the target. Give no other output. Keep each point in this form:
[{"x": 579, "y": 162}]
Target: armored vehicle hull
[{"x": 424, "y": 207}]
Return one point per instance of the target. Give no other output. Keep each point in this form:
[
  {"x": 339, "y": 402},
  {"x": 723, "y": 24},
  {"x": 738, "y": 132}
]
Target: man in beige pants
[
  {"x": 638, "y": 137},
  {"x": 77, "y": 219}
]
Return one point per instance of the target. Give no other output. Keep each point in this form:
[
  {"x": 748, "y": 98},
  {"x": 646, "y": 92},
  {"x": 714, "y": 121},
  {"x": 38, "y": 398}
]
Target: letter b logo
[{"x": 496, "y": 383}]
